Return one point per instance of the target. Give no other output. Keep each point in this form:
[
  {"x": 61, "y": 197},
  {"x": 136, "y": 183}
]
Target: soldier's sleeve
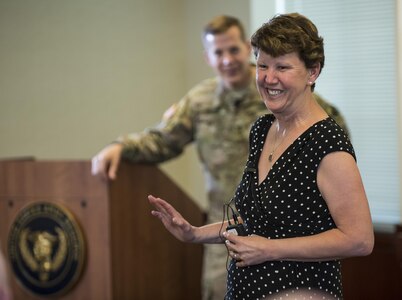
[
  {"x": 164, "y": 141},
  {"x": 333, "y": 112}
]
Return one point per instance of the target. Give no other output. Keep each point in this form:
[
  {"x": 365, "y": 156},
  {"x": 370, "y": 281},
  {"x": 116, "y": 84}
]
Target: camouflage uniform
[{"x": 218, "y": 121}]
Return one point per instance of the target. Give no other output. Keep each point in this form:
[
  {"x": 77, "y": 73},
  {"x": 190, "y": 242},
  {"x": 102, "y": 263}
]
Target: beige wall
[{"x": 76, "y": 74}]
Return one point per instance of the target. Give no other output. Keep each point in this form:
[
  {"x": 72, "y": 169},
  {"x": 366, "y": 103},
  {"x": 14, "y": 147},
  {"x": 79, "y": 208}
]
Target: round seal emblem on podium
[{"x": 46, "y": 248}]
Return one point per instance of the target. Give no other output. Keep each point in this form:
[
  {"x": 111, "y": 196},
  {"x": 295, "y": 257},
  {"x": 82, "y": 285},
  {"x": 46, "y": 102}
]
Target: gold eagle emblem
[{"x": 47, "y": 253}]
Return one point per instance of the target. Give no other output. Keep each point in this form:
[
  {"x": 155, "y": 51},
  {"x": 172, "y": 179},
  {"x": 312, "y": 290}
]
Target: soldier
[{"x": 216, "y": 115}]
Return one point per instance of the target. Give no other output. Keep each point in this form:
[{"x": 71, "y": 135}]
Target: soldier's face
[{"x": 229, "y": 56}]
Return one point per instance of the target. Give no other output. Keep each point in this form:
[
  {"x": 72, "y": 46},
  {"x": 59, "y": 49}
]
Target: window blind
[{"x": 360, "y": 78}]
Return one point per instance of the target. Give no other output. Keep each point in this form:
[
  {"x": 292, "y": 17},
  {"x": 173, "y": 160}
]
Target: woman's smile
[{"x": 274, "y": 93}]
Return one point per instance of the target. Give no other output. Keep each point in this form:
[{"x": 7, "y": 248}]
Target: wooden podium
[{"x": 129, "y": 254}]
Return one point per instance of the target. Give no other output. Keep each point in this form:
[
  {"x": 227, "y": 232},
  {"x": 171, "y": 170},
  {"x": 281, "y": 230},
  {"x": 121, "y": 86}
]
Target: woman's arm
[{"x": 181, "y": 228}]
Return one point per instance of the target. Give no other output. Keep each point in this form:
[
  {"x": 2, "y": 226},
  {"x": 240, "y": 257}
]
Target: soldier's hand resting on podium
[{"x": 107, "y": 161}]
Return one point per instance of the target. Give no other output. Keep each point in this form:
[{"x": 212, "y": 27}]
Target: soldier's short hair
[{"x": 221, "y": 24}]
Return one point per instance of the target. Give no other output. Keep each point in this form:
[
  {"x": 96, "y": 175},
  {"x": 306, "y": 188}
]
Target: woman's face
[{"x": 284, "y": 82}]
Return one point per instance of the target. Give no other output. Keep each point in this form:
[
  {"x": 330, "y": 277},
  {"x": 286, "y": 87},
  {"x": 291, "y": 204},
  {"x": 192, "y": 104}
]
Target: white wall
[{"x": 261, "y": 11}]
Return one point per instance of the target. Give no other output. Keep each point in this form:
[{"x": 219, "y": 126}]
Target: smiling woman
[{"x": 301, "y": 199}]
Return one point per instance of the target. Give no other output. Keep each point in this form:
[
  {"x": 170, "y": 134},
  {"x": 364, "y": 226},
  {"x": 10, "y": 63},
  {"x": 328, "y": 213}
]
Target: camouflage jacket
[{"x": 218, "y": 121}]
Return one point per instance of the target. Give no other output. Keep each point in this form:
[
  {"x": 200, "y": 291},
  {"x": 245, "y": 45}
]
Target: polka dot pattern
[{"x": 287, "y": 204}]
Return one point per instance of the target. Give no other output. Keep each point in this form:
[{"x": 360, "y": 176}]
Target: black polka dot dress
[{"x": 287, "y": 204}]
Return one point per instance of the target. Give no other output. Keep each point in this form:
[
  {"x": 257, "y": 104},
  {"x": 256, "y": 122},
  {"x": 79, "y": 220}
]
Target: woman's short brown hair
[{"x": 287, "y": 33}]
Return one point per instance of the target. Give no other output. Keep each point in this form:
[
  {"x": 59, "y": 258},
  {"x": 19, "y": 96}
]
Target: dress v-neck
[{"x": 281, "y": 157}]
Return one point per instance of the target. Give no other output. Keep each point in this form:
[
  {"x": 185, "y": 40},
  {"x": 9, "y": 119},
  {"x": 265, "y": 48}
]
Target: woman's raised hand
[{"x": 172, "y": 220}]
